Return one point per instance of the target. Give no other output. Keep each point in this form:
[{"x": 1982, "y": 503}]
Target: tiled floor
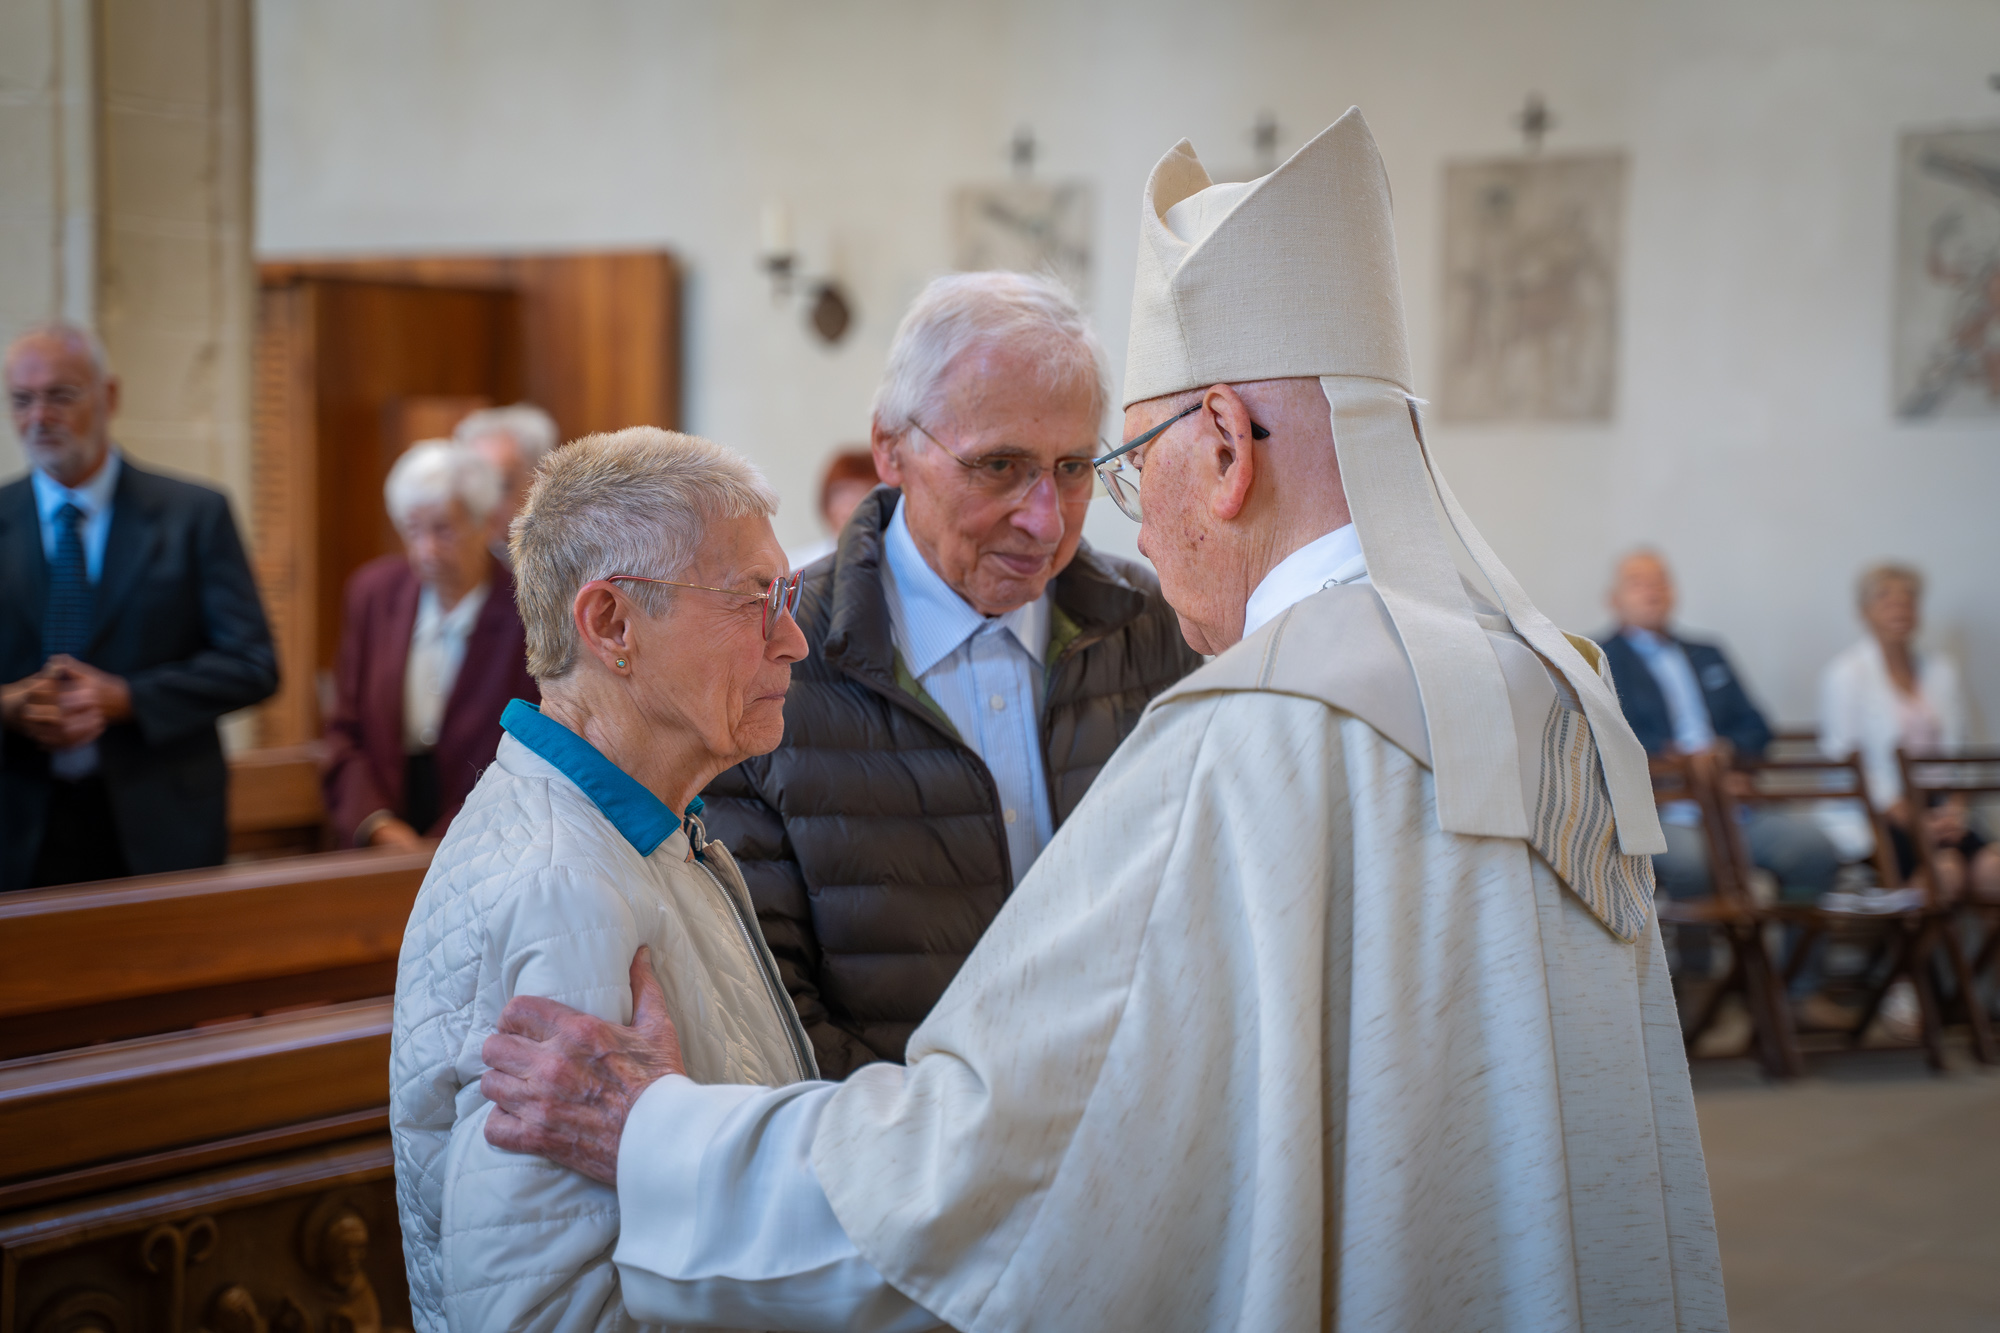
[{"x": 1865, "y": 1197}]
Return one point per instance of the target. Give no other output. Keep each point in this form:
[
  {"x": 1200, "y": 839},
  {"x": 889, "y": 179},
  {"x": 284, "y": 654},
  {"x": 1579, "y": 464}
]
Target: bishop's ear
[{"x": 1232, "y": 460}]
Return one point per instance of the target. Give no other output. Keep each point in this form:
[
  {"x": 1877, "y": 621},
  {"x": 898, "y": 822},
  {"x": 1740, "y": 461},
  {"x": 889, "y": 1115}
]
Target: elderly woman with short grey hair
[
  {"x": 430, "y": 652},
  {"x": 658, "y": 613}
]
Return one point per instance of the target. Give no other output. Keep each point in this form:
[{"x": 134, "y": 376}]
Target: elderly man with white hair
[
  {"x": 658, "y": 612},
  {"x": 974, "y": 663},
  {"x": 1338, "y": 1004},
  {"x": 431, "y": 650},
  {"x": 514, "y": 440}
]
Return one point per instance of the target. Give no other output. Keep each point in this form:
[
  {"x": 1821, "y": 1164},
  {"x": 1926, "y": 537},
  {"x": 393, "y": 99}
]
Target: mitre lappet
[{"x": 1295, "y": 275}]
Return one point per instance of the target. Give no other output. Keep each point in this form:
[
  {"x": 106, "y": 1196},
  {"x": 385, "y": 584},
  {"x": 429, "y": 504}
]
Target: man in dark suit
[
  {"x": 431, "y": 650},
  {"x": 1683, "y": 697},
  {"x": 129, "y": 623}
]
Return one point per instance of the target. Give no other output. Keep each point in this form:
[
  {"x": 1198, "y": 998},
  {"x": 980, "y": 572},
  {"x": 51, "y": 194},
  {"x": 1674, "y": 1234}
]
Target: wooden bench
[
  {"x": 275, "y": 805},
  {"x": 131, "y": 957},
  {"x": 173, "y": 1153}
]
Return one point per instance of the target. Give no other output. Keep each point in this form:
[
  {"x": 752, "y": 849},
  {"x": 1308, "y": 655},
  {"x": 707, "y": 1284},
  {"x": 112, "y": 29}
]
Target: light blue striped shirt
[
  {"x": 985, "y": 673},
  {"x": 93, "y": 498}
]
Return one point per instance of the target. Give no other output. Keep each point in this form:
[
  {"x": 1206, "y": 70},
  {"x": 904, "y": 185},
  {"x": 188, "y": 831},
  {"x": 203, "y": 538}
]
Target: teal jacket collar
[{"x": 643, "y": 819}]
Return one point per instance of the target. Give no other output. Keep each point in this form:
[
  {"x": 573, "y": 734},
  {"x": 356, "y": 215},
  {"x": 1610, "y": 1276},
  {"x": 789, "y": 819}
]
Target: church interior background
[{"x": 1684, "y": 275}]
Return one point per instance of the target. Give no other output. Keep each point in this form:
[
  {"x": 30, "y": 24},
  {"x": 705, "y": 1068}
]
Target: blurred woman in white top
[{"x": 1883, "y": 694}]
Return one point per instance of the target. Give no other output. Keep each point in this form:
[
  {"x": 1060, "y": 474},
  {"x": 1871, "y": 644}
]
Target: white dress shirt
[
  {"x": 986, "y": 673},
  {"x": 94, "y": 499},
  {"x": 768, "y": 1251},
  {"x": 1324, "y": 562},
  {"x": 1861, "y": 711},
  {"x": 437, "y": 650}
]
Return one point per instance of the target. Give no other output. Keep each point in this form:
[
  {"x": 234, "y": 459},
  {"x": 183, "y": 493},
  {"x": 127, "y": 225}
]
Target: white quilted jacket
[{"x": 536, "y": 891}]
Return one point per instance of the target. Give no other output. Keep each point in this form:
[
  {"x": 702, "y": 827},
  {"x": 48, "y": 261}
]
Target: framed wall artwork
[
  {"x": 1947, "y": 332},
  {"x": 1531, "y": 269},
  {"x": 1027, "y": 226}
]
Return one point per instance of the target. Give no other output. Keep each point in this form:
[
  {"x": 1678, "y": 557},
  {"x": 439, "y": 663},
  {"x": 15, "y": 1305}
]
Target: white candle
[{"x": 777, "y": 230}]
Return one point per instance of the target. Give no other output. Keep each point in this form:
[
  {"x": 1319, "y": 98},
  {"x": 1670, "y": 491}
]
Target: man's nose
[{"x": 1040, "y": 514}]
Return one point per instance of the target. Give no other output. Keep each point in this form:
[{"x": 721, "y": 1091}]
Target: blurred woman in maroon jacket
[{"x": 430, "y": 653}]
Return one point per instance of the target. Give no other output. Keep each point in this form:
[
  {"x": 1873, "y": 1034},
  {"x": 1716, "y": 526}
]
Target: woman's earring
[{"x": 621, "y": 663}]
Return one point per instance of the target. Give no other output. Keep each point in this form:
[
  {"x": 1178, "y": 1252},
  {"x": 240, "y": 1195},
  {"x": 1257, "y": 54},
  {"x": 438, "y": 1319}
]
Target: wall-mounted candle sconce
[{"x": 829, "y": 313}]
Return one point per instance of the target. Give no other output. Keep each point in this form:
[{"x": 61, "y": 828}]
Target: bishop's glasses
[{"x": 1119, "y": 470}]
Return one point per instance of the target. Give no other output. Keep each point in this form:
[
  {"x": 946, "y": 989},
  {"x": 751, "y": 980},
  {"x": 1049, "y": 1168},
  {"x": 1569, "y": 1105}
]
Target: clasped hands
[
  {"x": 562, "y": 1082},
  {"x": 65, "y": 704}
]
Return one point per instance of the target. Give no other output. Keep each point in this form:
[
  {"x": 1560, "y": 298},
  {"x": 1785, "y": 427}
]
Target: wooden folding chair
[
  {"x": 1731, "y": 911},
  {"x": 1905, "y": 937},
  {"x": 1964, "y": 772}
]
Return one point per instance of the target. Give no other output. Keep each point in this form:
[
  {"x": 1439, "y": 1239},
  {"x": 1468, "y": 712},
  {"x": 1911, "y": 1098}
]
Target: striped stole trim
[{"x": 1574, "y": 829}]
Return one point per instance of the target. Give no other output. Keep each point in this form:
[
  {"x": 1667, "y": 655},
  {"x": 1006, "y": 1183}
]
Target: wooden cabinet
[{"x": 358, "y": 358}]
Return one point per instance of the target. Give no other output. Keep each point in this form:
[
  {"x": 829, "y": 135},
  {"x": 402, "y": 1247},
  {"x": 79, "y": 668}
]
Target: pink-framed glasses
[{"x": 780, "y": 599}]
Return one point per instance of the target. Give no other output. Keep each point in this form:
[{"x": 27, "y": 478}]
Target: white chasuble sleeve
[
  {"x": 723, "y": 1224},
  {"x": 1115, "y": 1116}
]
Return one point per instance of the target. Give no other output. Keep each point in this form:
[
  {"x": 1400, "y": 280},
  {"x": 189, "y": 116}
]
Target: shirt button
[
  {"x": 1009, "y": 815},
  {"x": 997, "y": 703}
]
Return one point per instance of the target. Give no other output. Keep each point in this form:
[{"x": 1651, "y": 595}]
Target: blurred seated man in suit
[
  {"x": 514, "y": 440},
  {"x": 129, "y": 623},
  {"x": 430, "y": 653},
  {"x": 1682, "y": 697}
]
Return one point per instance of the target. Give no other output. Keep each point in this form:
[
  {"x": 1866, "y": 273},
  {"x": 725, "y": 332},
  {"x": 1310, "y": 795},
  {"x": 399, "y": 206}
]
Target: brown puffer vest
[{"x": 871, "y": 840}]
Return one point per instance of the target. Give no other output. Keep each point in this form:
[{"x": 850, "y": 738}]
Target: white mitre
[{"x": 1295, "y": 274}]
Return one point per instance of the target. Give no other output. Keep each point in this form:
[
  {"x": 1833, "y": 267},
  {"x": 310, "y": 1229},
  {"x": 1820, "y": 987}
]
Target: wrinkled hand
[
  {"x": 395, "y": 833},
  {"x": 562, "y": 1082},
  {"x": 66, "y": 703},
  {"x": 1947, "y": 822},
  {"x": 31, "y": 694}
]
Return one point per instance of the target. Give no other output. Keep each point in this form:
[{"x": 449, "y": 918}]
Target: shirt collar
[
  {"x": 643, "y": 819},
  {"x": 93, "y": 497},
  {"x": 457, "y": 621},
  {"x": 930, "y": 620},
  {"x": 1647, "y": 642},
  {"x": 1321, "y": 563}
]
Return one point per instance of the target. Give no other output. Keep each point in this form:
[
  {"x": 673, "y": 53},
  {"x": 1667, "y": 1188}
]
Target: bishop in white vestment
[{"x": 1338, "y": 1004}]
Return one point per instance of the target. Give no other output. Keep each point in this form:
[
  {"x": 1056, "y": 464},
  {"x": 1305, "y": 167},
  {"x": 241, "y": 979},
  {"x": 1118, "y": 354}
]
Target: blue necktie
[{"x": 66, "y": 627}]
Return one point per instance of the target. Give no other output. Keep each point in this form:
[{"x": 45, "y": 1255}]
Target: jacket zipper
[{"x": 788, "y": 1016}]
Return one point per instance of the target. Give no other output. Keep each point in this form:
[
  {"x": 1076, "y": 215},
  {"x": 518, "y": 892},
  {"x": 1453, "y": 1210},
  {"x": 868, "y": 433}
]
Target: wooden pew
[
  {"x": 130, "y": 957},
  {"x": 275, "y": 806},
  {"x": 173, "y": 1154}
]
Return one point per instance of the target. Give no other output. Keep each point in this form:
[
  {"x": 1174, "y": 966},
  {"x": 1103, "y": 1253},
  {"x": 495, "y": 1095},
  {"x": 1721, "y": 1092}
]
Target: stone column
[{"x": 126, "y": 141}]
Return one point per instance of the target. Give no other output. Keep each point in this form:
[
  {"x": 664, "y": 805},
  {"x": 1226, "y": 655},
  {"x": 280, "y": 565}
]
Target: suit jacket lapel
[
  {"x": 485, "y": 661},
  {"x": 21, "y": 551},
  {"x": 128, "y": 547}
]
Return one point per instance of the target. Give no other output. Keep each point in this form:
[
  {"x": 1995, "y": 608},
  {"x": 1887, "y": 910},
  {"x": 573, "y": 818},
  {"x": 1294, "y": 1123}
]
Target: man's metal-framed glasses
[
  {"x": 780, "y": 599},
  {"x": 1119, "y": 470},
  {"x": 1007, "y": 476}
]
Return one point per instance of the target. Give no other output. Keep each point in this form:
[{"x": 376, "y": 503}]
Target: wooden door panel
[
  {"x": 378, "y": 343},
  {"x": 593, "y": 338}
]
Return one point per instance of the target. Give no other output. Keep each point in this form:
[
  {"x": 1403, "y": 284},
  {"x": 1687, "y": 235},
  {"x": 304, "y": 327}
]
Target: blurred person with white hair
[
  {"x": 431, "y": 650},
  {"x": 974, "y": 665},
  {"x": 514, "y": 440},
  {"x": 658, "y": 613},
  {"x": 129, "y": 624},
  {"x": 1884, "y": 693}
]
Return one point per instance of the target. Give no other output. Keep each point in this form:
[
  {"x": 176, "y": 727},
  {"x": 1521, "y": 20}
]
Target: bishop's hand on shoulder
[{"x": 562, "y": 1082}]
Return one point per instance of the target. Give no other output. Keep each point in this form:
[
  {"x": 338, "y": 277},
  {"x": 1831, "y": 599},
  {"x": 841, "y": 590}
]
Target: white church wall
[{"x": 1752, "y": 440}]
